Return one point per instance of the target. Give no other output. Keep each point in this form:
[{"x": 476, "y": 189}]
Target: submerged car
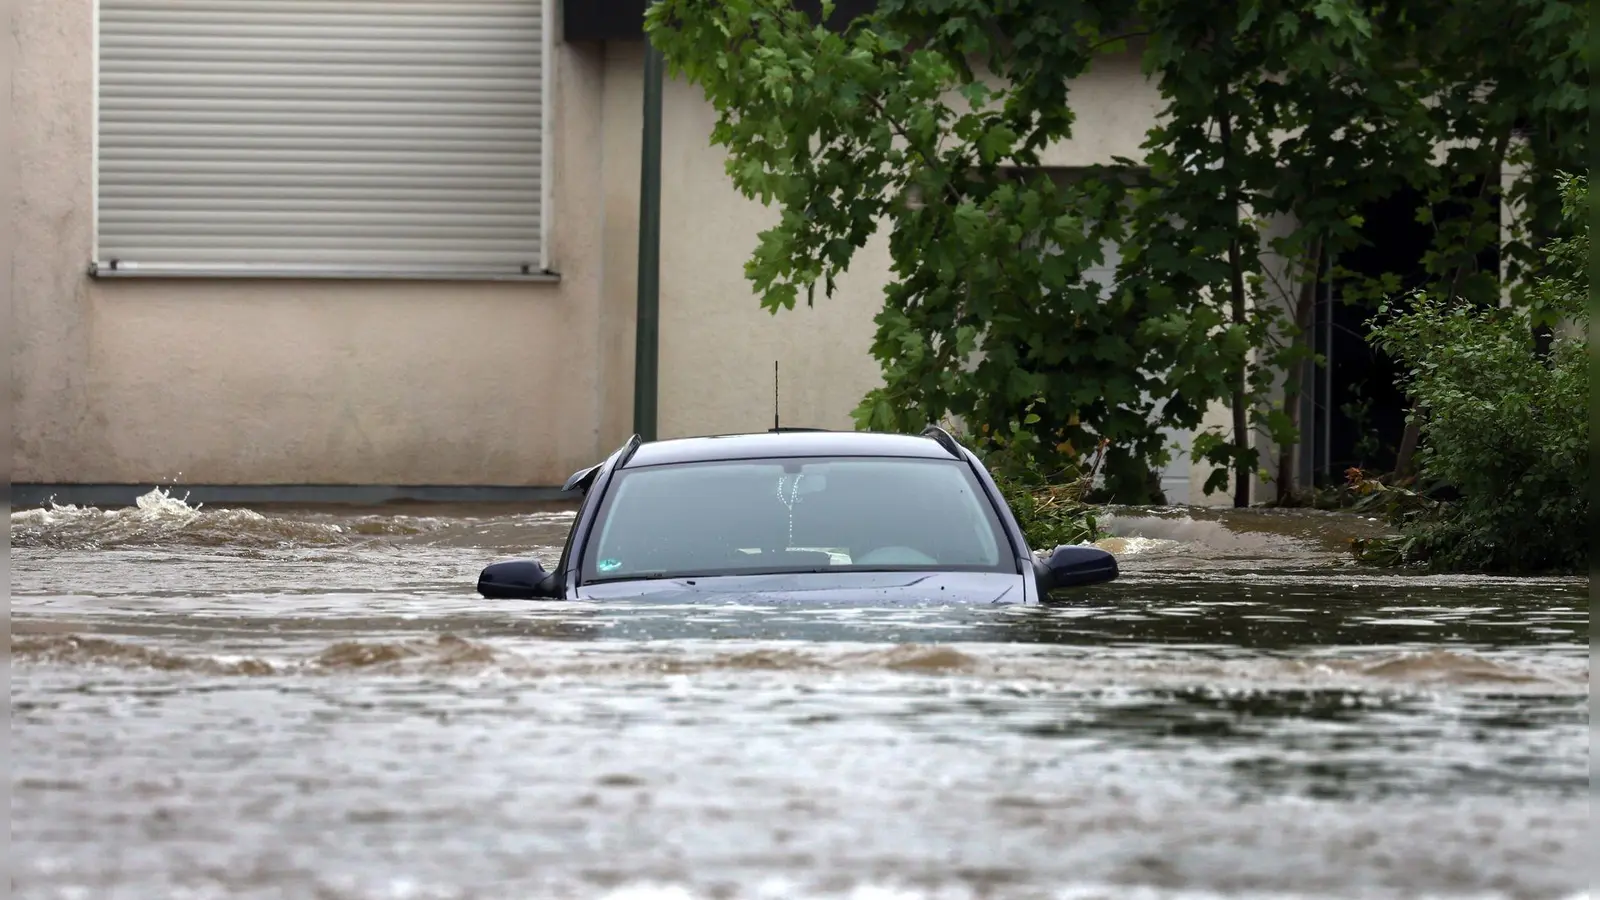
[{"x": 797, "y": 516}]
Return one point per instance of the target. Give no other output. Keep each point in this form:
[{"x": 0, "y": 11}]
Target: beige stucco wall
[
  {"x": 8, "y": 225},
  {"x": 219, "y": 381},
  {"x": 717, "y": 345}
]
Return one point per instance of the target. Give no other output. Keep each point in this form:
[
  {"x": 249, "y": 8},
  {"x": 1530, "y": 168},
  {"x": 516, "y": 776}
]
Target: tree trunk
[
  {"x": 1304, "y": 306},
  {"x": 1242, "y": 473},
  {"x": 1408, "y": 442}
]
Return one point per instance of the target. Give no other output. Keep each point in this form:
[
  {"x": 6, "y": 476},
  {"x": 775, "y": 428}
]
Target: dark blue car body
[{"x": 1029, "y": 583}]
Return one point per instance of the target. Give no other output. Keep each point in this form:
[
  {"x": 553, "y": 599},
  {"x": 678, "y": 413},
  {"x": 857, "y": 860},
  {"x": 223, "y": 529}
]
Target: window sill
[{"x": 124, "y": 270}]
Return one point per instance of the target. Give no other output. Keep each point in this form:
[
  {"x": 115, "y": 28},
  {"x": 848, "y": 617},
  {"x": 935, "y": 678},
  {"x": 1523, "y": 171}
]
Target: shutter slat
[
  {"x": 355, "y": 185},
  {"x": 310, "y": 132},
  {"x": 250, "y": 220},
  {"x": 244, "y": 113},
  {"x": 346, "y": 133},
  {"x": 440, "y": 205},
  {"x": 198, "y": 117},
  {"x": 190, "y": 196},
  {"x": 499, "y": 47},
  {"x": 352, "y": 91},
  {"x": 322, "y": 169},
  {"x": 348, "y": 151}
]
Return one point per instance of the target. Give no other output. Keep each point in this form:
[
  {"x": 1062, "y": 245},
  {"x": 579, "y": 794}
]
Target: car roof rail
[
  {"x": 945, "y": 439},
  {"x": 787, "y": 429},
  {"x": 628, "y": 450}
]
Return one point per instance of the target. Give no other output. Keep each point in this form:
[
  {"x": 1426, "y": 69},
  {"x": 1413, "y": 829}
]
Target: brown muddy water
[{"x": 226, "y": 703}]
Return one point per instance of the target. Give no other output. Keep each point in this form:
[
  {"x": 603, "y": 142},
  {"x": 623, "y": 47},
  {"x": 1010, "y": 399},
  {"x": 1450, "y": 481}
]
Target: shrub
[{"x": 1506, "y": 428}]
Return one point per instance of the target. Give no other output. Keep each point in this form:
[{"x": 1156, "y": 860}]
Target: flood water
[{"x": 225, "y": 703}]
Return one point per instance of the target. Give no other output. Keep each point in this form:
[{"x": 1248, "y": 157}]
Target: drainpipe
[{"x": 648, "y": 323}]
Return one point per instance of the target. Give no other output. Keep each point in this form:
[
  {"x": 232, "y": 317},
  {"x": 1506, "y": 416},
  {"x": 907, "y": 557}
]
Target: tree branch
[{"x": 1120, "y": 37}]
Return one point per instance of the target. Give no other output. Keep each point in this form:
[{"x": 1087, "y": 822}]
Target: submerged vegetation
[
  {"x": 1051, "y": 506},
  {"x": 1050, "y": 514},
  {"x": 1503, "y": 469}
]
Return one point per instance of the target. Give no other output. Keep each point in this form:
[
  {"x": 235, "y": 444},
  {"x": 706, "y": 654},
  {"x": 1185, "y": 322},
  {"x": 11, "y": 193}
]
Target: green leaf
[{"x": 996, "y": 143}]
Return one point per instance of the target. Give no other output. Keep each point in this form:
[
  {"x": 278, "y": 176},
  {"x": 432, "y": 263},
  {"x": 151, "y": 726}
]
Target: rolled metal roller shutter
[{"x": 357, "y": 137}]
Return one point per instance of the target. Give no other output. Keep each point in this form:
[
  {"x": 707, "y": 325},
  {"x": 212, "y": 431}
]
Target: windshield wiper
[{"x": 659, "y": 575}]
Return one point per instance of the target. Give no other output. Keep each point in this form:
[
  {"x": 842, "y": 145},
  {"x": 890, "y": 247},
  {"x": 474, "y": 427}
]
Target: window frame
[{"x": 101, "y": 268}]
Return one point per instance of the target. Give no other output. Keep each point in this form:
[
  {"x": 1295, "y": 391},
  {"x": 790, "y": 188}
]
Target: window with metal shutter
[{"x": 356, "y": 138}]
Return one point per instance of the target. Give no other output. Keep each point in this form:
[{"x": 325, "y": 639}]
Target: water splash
[
  {"x": 161, "y": 518},
  {"x": 1137, "y": 546}
]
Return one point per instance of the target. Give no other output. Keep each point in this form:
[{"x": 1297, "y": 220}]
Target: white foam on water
[
  {"x": 1135, "y": 546},
  {"x": 778, "y": 889},
  {"x": 161, "y": 518}
]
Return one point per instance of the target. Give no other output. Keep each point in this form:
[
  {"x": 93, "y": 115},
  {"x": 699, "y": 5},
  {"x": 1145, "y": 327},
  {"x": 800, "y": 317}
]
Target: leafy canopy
[{"x": 928, "y": 118}]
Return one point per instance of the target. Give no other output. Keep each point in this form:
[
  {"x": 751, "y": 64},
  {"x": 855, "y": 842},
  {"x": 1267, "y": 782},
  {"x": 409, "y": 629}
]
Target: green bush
[{"x": 1504, "y": 466}]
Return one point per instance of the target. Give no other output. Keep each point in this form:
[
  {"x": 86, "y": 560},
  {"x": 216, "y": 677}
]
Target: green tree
[
  {"x": 1313, "y": 110},
  {"x": 1273, "y": 108},
  {"x": 989, "y": 312}
]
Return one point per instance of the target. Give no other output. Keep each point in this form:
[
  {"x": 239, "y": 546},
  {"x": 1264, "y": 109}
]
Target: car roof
[{"x": 783, "y": 443}]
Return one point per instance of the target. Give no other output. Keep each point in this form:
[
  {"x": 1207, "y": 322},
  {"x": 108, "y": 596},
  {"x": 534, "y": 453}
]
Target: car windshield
[{"x": 795, "y": 515}]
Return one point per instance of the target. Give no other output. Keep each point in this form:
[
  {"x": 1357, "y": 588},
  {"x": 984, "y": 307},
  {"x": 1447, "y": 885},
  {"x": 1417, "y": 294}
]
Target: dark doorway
[{"x": 1362, "y": 415}]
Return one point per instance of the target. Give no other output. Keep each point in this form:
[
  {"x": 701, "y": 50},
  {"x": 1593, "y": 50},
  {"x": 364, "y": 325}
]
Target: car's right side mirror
[{"x": 1069, "y": 567}]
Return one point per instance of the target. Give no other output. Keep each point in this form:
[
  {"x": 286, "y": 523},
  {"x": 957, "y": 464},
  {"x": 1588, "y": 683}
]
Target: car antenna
[{"x": 774, "y": 395}]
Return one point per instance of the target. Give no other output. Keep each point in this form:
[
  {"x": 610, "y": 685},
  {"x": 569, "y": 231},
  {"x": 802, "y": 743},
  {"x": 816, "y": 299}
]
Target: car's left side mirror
[
  {"x": 1069, "y": 567},
  {"x": 518, "y": 579}
]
